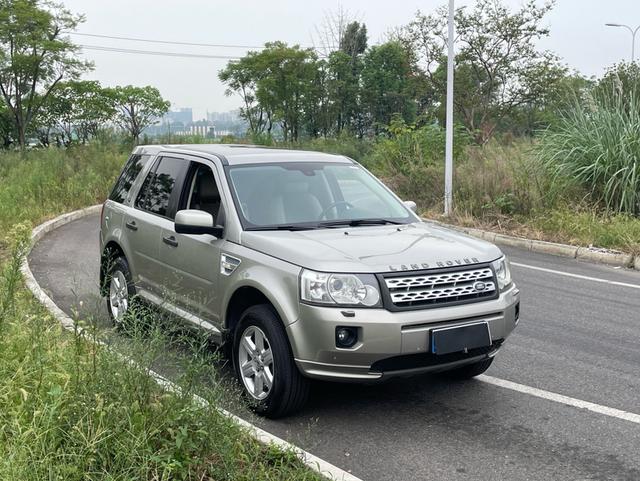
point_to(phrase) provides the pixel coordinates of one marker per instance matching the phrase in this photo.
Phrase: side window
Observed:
(204, 194)
(131, 170)
(142, 193)
(156, 192)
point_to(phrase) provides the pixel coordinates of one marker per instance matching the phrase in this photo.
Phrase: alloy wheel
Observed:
(118, 295)
(255, 361)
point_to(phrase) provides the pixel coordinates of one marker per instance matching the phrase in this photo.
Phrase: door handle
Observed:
(131, 225)
(171, 240)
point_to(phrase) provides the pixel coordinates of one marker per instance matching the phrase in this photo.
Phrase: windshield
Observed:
(312, 195)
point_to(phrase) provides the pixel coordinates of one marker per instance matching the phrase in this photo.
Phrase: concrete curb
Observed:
(313, 462)
(589, 254)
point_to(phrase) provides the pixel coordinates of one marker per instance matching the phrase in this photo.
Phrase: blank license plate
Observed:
(456, 339)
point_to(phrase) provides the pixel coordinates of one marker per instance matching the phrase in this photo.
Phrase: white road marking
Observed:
(576, 276)
(560, 398)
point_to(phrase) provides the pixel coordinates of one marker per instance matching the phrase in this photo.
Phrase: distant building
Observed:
(183, 116)
(230, 117)
(180, 122)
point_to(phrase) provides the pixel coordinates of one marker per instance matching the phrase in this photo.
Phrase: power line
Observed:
(157, 53)
(170, 42)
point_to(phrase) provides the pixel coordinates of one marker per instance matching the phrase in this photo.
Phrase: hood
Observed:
(373, 249)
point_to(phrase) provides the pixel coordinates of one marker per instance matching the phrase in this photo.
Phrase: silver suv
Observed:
(305, 263)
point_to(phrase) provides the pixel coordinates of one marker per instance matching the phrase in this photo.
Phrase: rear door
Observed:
(154, 208)
(191, 263)
(120, 198)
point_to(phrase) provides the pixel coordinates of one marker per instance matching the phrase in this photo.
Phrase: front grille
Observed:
(441, 288)
(416, 361)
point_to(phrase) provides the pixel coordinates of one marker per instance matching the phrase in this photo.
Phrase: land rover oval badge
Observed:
(479, 286)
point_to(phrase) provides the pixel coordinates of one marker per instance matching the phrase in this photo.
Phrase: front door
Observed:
(191, 263)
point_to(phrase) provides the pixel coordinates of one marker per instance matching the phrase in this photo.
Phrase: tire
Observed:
(288, 389)
(120, 295)
(470, 370)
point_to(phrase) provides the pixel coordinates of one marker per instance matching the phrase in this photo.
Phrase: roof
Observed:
(236, 154)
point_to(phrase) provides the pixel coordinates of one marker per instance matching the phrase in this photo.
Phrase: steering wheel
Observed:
(333, 205)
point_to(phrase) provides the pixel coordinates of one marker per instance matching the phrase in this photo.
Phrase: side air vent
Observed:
(228, 264)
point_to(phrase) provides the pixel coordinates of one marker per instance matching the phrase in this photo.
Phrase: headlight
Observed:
(340, 289)
(503, 272)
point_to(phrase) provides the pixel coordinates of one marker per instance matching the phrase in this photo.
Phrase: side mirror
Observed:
(411, 205)
(192, 221)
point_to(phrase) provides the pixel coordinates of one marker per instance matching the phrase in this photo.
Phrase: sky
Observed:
(577, 34)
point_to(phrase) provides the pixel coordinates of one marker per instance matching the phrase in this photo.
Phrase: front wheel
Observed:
(264, 364)
(121, 290)
(469, 370)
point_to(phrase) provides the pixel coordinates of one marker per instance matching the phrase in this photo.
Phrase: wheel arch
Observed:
(111, 250)
(246, 296)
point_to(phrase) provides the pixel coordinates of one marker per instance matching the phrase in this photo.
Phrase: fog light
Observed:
(346, 336)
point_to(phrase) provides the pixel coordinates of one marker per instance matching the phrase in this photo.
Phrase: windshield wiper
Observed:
(283, 227)
(357, 222)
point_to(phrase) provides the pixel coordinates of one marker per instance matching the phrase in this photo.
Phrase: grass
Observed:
(70, 408)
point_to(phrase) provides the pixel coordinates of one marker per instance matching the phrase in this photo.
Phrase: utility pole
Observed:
(448, 162)
(633, 36)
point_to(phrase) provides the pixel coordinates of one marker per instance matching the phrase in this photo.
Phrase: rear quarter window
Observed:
(132, 169)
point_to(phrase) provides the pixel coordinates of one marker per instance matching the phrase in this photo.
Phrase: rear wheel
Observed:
(469, 370)
(121, 290)
(264, 364)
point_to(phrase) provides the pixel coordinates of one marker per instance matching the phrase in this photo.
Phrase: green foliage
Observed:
(596, 145)
(76, 110)
(502, 179)
(498, 68)
(343, 87)
(75, 410)
(354, 40)
(386, 89)
(35, 50)
(407, 149)
(137, 107)
(276, 84)
(49, 181)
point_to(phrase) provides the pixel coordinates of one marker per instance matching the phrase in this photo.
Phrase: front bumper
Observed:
(392, 343)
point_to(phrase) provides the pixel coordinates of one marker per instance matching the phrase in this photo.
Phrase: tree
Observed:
(354, 40)
(137, 108)
(498, 68)
(387, 85)
(332, 30)
(34, 56)
(623, 79)
(92, 107)
(344, 71)
(287, 74)
(7, 126)
(77, 108)
(241, 77)
(276, 85)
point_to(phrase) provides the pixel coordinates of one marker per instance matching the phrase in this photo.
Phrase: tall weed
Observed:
(596, 144)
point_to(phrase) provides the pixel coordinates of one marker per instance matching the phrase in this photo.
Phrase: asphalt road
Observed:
(577, 337)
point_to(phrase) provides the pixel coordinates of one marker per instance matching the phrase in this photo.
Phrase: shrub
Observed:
(501, 179)
(408, 149)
